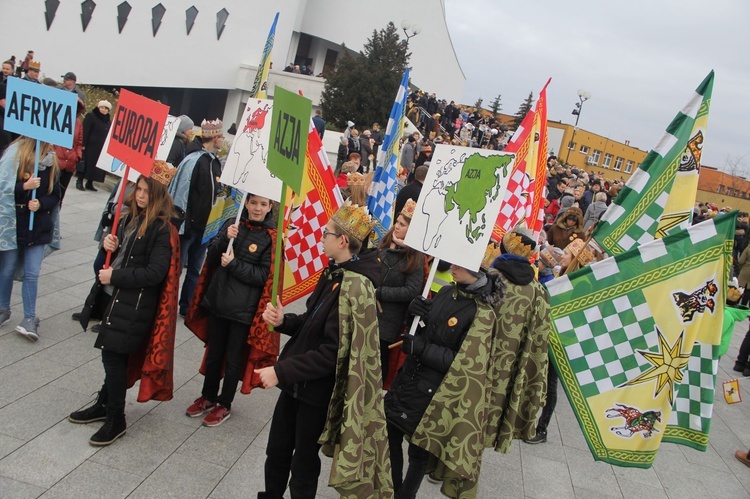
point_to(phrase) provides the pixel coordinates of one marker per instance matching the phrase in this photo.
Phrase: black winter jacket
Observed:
(44, 225)
(396, 291)
(203, 188)
(306, 368)
(451, 315)
(235, 290)
(128, 316)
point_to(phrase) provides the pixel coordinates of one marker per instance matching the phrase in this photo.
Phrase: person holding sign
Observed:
(136, 299)
(28, 245)
(316, 371)
(462, 312)
(233, 286)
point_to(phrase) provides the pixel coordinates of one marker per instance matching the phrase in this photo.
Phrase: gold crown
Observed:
(355, 220)
(162, 172)
(513, 243)
(355, 179)
(408, 209)
(211, 128)
(490, 254)
(581, 252)
(35, 65)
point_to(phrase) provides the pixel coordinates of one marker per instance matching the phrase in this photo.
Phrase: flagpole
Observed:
(279, 247)
(426, 291)
(118, 209)
(236, 222)
(36, 174)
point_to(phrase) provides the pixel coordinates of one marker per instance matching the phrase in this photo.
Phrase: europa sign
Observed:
(40, 112)
(136, 130)
(289, 128)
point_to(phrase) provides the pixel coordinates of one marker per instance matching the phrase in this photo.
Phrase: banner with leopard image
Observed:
(635, 338)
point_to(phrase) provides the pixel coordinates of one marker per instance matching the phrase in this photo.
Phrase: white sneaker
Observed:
(28, 328)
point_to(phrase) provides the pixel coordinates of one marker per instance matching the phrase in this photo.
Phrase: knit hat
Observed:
(349, 167)
(105, 103)
(185, 124)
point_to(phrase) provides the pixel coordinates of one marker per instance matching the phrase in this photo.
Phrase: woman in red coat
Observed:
(69, 158)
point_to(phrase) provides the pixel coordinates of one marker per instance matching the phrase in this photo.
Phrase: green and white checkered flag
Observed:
(660, 195)
(635, 336)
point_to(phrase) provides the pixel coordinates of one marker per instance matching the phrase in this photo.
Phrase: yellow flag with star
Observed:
(635, 341)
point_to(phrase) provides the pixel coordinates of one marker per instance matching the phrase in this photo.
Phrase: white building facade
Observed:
(200, 56)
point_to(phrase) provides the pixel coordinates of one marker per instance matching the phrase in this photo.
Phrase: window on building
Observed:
(721, 188)
(595, 156)
(728, 192)
(607, 161)
(629, 166)
(618, 164)
(571, 145)
(584, 149)
(736, 193)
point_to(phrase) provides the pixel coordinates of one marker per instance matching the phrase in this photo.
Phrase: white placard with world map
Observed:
(116, 167)
(245, 168)
(459, 203)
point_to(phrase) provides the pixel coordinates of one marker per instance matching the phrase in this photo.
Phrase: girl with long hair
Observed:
(28, 244)
(136, 299)
(402, 277)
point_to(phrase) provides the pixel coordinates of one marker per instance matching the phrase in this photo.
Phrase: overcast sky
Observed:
(640, 60)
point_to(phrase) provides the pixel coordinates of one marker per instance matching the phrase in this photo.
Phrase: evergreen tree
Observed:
(478, 104)
(495, 105)
(362, 88)
(523, 110)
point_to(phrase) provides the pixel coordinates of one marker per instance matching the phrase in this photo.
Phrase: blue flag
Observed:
(383, 189)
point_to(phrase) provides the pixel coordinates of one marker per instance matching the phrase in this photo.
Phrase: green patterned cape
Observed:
(493, 390)
(355, 432)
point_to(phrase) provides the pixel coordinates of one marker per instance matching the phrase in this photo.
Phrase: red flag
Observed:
(321, 198)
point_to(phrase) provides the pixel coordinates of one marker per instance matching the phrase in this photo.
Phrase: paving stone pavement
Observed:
(166, 454)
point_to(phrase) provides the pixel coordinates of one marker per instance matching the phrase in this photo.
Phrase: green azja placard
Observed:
(289, 128)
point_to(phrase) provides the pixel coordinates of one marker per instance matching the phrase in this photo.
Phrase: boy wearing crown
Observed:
(194, 189)
(329, 375)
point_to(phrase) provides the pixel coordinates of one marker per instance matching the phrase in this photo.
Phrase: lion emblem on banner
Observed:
(635, 420)
(696, 302)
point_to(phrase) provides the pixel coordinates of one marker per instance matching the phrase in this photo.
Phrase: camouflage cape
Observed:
(355, 432)
(493, 390)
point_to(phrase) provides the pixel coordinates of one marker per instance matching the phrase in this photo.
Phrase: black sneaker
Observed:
(76, 316)
(540, 438)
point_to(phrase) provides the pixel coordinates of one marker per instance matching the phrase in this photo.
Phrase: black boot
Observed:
(79, 184)
(112, 429)
(90, 186)
(96, 412)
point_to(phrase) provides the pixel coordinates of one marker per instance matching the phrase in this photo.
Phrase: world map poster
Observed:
(459, 203)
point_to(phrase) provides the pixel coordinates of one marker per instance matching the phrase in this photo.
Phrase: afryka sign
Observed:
(136, 130)
(40, 112)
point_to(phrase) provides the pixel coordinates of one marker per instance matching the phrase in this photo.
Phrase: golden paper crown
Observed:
(355, 220)
(162, 172)
(211, 128)
(355, 179)
(514, 244)
(35, 65)
(581, 251)
(490, 254)
(408, 209)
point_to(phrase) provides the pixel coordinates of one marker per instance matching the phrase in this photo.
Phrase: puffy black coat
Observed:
(203, 188)
(306, 368)
(397, 289)
(44, 225)
(95, 130)
(128, 316)
(235, 290)
(450, 317)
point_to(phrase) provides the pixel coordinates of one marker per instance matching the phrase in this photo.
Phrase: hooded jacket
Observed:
(452, 314)
(307, 366)
(560, 235)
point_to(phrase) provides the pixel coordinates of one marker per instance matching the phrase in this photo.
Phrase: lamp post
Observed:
(408, 28)
(583, 96)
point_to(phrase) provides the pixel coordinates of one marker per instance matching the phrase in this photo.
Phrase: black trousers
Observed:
(549, 407)
(293, 447)
(406, 487)
(115, 379)
(227, 341)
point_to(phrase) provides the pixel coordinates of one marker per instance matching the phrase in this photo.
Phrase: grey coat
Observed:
(593, 212)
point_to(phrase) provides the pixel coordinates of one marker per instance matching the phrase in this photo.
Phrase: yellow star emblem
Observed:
(667, 365)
